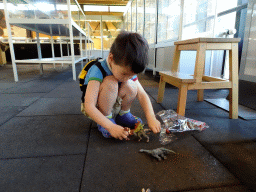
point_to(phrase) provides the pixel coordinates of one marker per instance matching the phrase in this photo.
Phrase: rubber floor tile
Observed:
(170, 100)
(224, 189)
(19, 99)
(221, 128)
(57, 173)
(35, 86)
(239, 158)
(68, 89)
(53, 106)
(118, 166)
(44, 136)
(7, 113)
(5, 86)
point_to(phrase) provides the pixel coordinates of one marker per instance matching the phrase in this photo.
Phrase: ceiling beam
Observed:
(103, 13)
(102, 2)
(110, 25)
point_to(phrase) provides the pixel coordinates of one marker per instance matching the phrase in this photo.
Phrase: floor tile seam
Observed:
(61, 97)
(28, 106)
(251, 141)
(25, 92)
(55, 115)
(212, 187)
(87, 146)
(218, 159)
(22, 93)
(7, 120)
(43, 156)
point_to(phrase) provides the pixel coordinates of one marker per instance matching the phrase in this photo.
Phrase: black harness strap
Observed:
(98, 64)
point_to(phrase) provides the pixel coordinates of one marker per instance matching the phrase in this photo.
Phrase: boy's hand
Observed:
(154, 125)
(119, 132)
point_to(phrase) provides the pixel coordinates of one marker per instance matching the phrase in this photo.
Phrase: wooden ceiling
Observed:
(103, 2)
(110, 29)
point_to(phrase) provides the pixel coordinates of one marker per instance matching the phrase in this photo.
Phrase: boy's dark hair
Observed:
(130, 49)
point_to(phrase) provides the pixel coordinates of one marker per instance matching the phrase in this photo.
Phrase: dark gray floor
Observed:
(48, 145)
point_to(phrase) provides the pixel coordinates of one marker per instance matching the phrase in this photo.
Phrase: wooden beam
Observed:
(103, 13)
(210, 78)
(102, 2)
(110, 25)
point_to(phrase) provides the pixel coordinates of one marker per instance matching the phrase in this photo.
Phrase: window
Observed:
(198, 18)
(150, 20)
(140, 16)
(134, 16)
(168, 20)
(129, 24)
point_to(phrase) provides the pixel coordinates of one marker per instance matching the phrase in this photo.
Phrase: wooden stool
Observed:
(198, 81)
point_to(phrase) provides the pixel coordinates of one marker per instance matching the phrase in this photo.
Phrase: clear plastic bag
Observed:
(173, 126)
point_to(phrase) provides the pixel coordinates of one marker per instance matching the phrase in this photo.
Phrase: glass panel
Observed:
(36, 9)
(150, 18)
(225, 5)
(129, 19)
(168, 20)
(134, 16)
(140, 16)
(125, 21)
(198, 19)
(226, 22)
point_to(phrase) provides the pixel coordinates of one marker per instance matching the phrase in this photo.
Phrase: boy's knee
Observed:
(128, 88)
(110, 83)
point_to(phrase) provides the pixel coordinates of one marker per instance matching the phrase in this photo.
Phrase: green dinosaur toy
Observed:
(158, 153)
(139, 131)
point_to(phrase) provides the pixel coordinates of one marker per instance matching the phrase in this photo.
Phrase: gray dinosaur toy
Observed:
(158, 153)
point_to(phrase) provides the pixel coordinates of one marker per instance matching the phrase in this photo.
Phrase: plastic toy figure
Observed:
(158, 153)
(139, 131)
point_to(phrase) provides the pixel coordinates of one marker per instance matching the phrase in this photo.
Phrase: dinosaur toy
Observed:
(138, 131)
(158, 153)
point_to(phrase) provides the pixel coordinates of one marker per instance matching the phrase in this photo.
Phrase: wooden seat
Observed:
(198, 81)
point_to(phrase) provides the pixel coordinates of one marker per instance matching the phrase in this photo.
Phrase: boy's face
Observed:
(120, 72)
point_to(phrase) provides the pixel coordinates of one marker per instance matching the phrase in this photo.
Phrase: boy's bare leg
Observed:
(107, 95)
(128, 92)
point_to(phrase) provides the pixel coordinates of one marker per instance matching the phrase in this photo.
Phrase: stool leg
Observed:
(233, 77)
(161, 90)
(182, 100)
(200, 95)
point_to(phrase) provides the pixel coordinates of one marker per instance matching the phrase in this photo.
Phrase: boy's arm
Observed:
(146, 105)
(90, 102)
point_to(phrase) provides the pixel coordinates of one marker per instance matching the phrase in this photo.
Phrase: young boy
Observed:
(128, 56)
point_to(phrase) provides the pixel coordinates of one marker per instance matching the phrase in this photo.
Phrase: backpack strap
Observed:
(98, 64)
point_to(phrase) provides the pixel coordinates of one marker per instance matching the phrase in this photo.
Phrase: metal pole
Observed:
(81, 50)
(71, 42)
(101, 34)
(85, 46)
(181, 20)
(155, 37)
(14, 67)
(213, 35)
(39, 52)
(61, 51)
(53, 55)
(89, 41)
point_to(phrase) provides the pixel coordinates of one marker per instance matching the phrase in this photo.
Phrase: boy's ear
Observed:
(110, 56)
